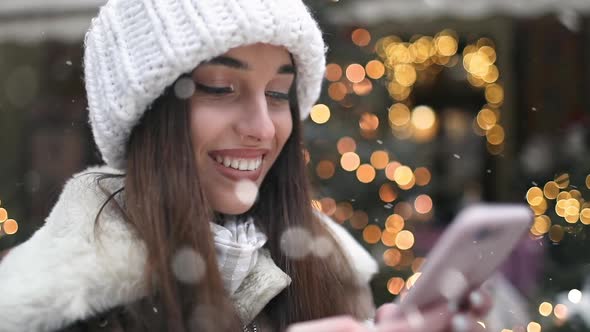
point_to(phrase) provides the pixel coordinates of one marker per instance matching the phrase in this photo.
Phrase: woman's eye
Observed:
(278, 95)
(214, 89)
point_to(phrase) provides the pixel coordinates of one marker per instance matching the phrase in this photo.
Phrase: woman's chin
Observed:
(234, 208)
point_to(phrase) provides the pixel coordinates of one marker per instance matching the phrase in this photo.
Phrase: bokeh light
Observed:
(392, 257)
(404, 240)
(387, 193)
(372, 234)
(423, 176)
(346, 144)
(333, 72)
(394, 223)
(365, 173)
(350, 161)
(361, 37)
(320, 114)
(379, 159)
(355, 73)
(395, 285)
(325, 169)
(423, 204)
(545, 309)
(375, 69)
(359, 219)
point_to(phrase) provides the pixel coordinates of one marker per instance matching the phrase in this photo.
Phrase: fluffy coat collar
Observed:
(63, 273)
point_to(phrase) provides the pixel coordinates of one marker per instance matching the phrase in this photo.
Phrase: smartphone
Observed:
(472, 248)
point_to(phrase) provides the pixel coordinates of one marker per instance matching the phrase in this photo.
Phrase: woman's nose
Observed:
(257, 122)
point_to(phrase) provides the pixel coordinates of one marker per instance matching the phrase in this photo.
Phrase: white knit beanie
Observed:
(136, 48)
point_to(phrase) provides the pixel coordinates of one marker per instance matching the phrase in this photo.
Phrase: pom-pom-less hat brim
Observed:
(134, 49)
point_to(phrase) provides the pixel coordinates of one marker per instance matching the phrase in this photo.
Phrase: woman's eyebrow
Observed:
(234, 63)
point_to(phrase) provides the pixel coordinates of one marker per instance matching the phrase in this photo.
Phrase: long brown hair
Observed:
(164, 204)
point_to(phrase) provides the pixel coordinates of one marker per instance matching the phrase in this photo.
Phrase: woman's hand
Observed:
(437, 318)
(390, 318)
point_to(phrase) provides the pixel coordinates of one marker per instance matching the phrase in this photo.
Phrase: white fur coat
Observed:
(63, 273)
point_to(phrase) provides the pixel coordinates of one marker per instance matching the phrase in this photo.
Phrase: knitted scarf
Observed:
(236, 242)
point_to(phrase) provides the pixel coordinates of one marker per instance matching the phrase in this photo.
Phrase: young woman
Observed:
(201, 218)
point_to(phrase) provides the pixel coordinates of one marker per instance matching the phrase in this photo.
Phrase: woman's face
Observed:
(240, 121)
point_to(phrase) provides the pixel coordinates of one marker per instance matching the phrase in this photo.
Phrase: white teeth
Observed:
(252, 165)
(243, 165)
(239, 163)
(235, 163)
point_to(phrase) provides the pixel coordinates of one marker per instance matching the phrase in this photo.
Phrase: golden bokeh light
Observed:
(380, 159)
(408, 185)
(399, 115)
(585, 216)
(375, 69)
(492, 75)
(423, 117)
(346, 144)
(363, 88)
(545, 309)
(495, 135)
(388, 238)
(423, 176)
(405, 75)
(395, 285)
(365, 173)
(563, 180)
(551, 190)
(446, 45)
(355, 73)
(489, 52)
(403, 175)
(486, 119)
(350, 161)
(387, 193)
(534, 196)
(423, 204)
(394, 223)
(337, 91)
(325, 169)
(369, 121)
(3, 215)
(10, 226)
(399, 53)
(398, 91)
(390, 170)
(328, 205)
(372, 234)
(541, 225)
(333, 72)
(392, 257)
(343, 212)
(361, 37)
(588, 181)
(494, 93)
(404, 240)
(533, 327)
(320, 113)
(540, 208)
(359, 219)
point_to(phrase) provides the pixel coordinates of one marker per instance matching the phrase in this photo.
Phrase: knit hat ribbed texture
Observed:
(134, 49)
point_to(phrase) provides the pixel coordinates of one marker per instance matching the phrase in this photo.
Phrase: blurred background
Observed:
(428, 106)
